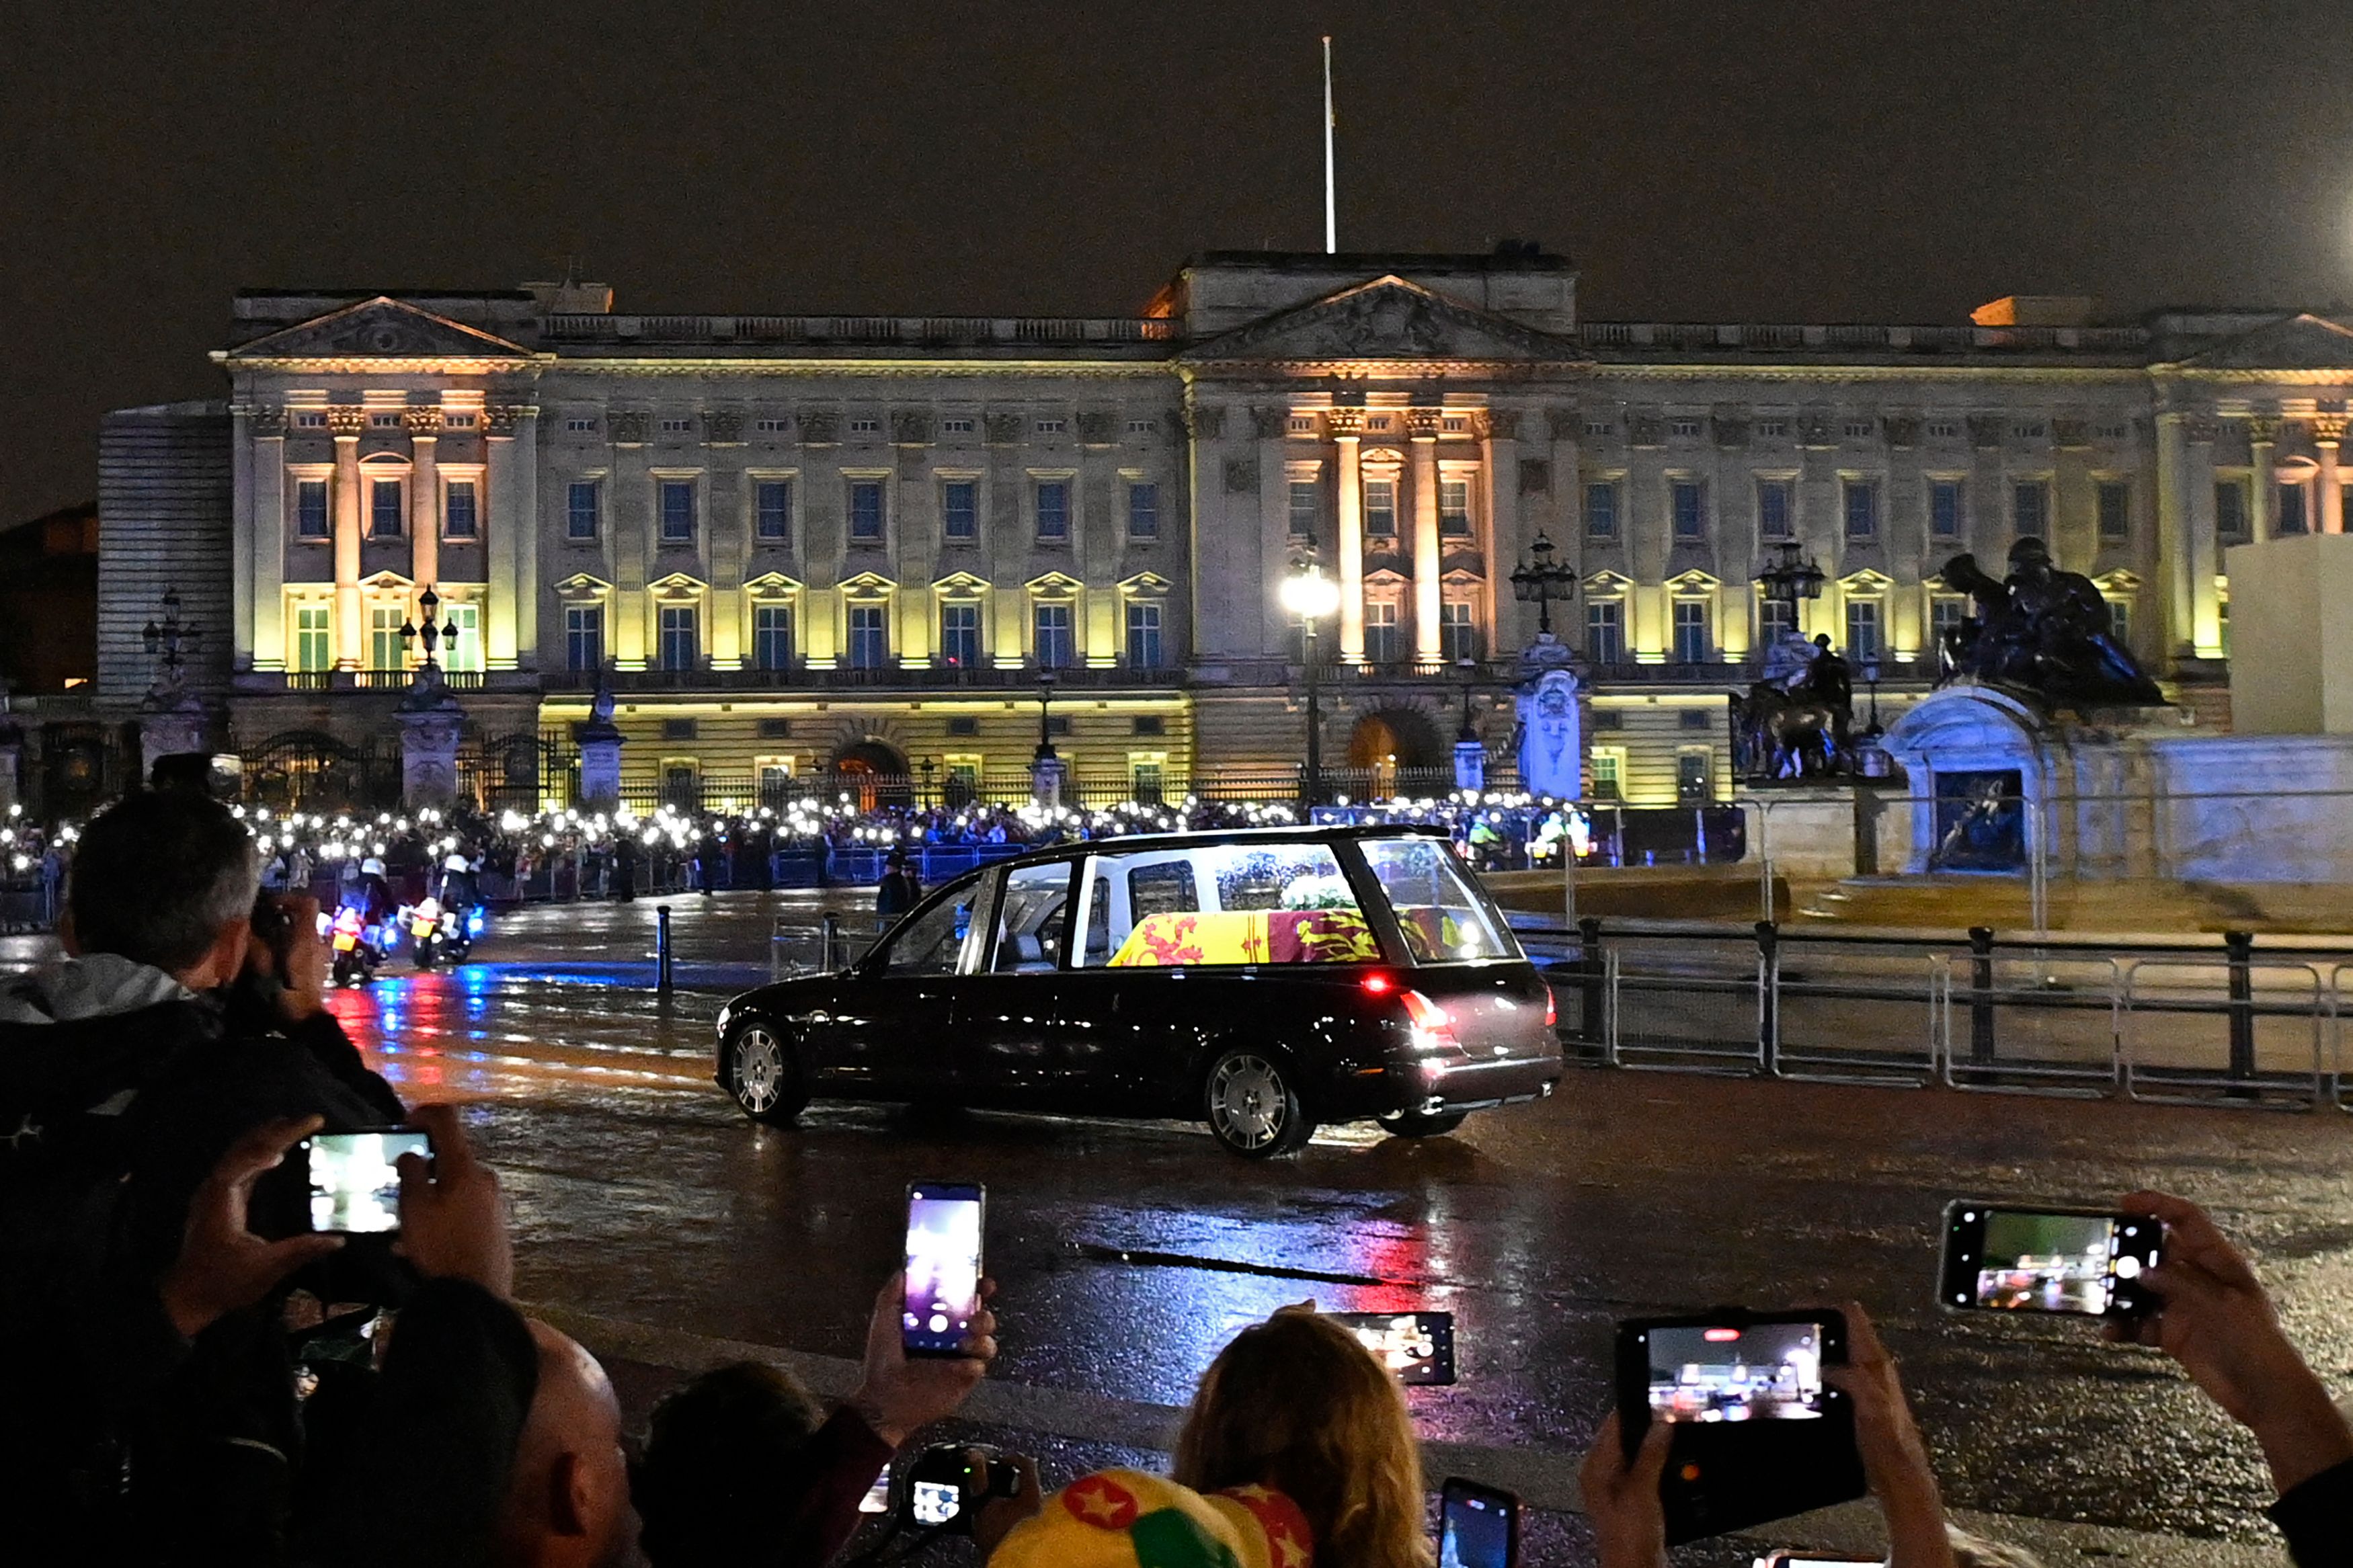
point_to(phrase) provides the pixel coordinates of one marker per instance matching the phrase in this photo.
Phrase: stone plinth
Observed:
(1470, 766)
(431, 724)
(600, 769)
(1046, 778)
(171, 727)
(2292, 635)
(1807, 829)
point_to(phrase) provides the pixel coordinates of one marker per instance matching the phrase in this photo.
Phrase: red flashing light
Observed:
(1720, 1336)
(1552, 1008)
(1379, 984)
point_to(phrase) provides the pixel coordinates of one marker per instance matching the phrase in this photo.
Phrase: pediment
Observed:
(772, 584)
(381, 327)
(2296, 342)
(1147, 583)
(1054, 582)
(677, 585)
(868, 585)
(1385, 319)
(962, 583)
(581, 585)
(1867, 582)
(387, 583)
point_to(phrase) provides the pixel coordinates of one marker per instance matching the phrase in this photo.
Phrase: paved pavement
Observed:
(671, 1233)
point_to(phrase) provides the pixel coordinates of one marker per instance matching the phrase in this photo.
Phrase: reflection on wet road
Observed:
(1129, 1252)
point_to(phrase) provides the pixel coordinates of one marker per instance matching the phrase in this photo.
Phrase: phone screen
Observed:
(354, 1187)
(2047, 1260)
(944, 1222)
(1817, 1559)
(1763, 1372)
(936, 1502)
(1416, 1346)
(1477, 1527)
(878, 1496)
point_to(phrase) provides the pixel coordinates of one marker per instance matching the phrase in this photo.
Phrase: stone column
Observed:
(2173, 530)
(424, 495)
(268, 540)
(2205, 557)
(2327, 431)
(1423, 423)
(240, 602)
(506, 533)
(1499, 540)
(350, 636)
(2263, 498)
(1348, 478)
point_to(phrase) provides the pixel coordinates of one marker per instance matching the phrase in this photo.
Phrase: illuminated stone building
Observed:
(814, 545)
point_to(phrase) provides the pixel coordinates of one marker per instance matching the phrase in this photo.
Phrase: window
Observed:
(960, 635)
(1946, 613)
(1306, 507)
(772, 511)
(580, 508)
(1053, 509)
(962, 786)
(677, 511)
(866, 508)
(2231, 507)
(1945, 430)
(1862, 509)
(1150, 724)
(1302, 425)
(1776, 619)
(1691, 631)
(1051, 627)
(384, 650)
(1601, 510)
(1142, 426)
(1457, 635)
(1863, 630)
(459, 519)
(463, 652)
(1693, 782)
(677, 426)
(960, 509)
(1860, 429)
(584, 636)
(1380, 508)
(956, 426)
(1454, 508)
(776, 729)
(1143, 634)
(2290, 510)
(771, 425)
(1605, 631)
(1143, 511)
(385, 511)
(1377, 422)
(314, 643)
(2028, 430)
(933, 943)
(310, 420)
(1597, 427)
(2120, 620)
(1050, 426)
(1384, 638)
(310, 509)
(1608, 766)
(2029, 507)
(963, 725)
(1437, 914)
(1147, 777)
(1773, 429)
(1218, 904)
(1777, 514)
(1683, 428)
(1687, 503)
(384, 421)
(2116, 510)
(870, 636)
(866, 427)
(1945, 508)
(579, 424)
(772, 643)
(681, 640)
(2114, 430)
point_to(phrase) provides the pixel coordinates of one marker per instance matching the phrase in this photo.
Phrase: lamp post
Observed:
(1539, 579)
(164, 642)
(1311, 595)
(1046, 769)
(1469, 752)
(1790, 577)
(433, 634)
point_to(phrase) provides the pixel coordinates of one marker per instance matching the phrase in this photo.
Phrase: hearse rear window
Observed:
(1222, 904)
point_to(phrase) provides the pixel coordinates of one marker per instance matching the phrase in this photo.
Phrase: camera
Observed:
(946, 1487)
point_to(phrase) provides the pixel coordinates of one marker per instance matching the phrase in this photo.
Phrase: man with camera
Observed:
(145, 1405)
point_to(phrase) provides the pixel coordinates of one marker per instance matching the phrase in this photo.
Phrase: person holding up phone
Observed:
(1621, 1496)
(2214, 1317)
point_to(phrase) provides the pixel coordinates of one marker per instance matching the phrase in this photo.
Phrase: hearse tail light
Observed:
(1432, 1028)
(1379, 984)
(1552, 1008)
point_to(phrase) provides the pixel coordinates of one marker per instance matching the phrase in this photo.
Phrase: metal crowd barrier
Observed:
(2175, 1022)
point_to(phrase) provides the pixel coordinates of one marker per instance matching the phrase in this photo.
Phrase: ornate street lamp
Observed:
(1539, 579)
(164, 642)
(1791, 577)
(434, 635)
(1311, 595)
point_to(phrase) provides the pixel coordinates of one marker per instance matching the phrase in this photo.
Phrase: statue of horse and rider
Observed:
(1795, 722)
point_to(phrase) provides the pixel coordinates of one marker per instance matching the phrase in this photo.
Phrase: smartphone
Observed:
(1759, 1433)
(1817, 1559)
(355, 1183)
(944, 1226)
(2081, 1261)
(1416, 1346)
(1478, 1526)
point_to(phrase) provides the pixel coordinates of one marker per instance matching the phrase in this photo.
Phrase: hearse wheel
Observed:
(1421, 1124)
(762, 1075)
(1254, 1109)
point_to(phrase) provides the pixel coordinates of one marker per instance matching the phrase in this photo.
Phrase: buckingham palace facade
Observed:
(804, 545)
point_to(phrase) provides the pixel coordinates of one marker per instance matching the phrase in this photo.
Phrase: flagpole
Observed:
(1331, 215)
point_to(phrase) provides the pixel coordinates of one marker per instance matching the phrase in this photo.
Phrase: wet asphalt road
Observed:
(1128, 1252)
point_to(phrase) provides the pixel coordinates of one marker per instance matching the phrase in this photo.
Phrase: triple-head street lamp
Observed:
(1789, 576)
(1311, 595)
(430, 603)
(164, 642)
(1539, 579)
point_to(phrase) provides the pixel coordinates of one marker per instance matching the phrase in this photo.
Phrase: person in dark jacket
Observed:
(2215, 1320)
(129, 1074)
(900, 890)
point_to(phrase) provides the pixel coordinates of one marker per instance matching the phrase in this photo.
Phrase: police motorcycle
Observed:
(444, 927)
(359, 945)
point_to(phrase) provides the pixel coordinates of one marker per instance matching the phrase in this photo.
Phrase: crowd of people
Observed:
(192, 1377)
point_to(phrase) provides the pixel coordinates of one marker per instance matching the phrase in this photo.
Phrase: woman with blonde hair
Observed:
(1297, 1404)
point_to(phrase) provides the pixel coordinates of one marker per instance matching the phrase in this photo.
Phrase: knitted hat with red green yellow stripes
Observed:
(1125, 1519)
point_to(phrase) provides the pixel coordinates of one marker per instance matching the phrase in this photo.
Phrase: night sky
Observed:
(1890, 161)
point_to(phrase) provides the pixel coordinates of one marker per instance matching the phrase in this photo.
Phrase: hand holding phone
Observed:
(944, 1245)
(2084, 1262)
(1478, 1526)
(355, 1178)
(1416, 1346)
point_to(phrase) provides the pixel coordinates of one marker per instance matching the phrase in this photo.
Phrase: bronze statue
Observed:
(1795, 723)
(2042, 631)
